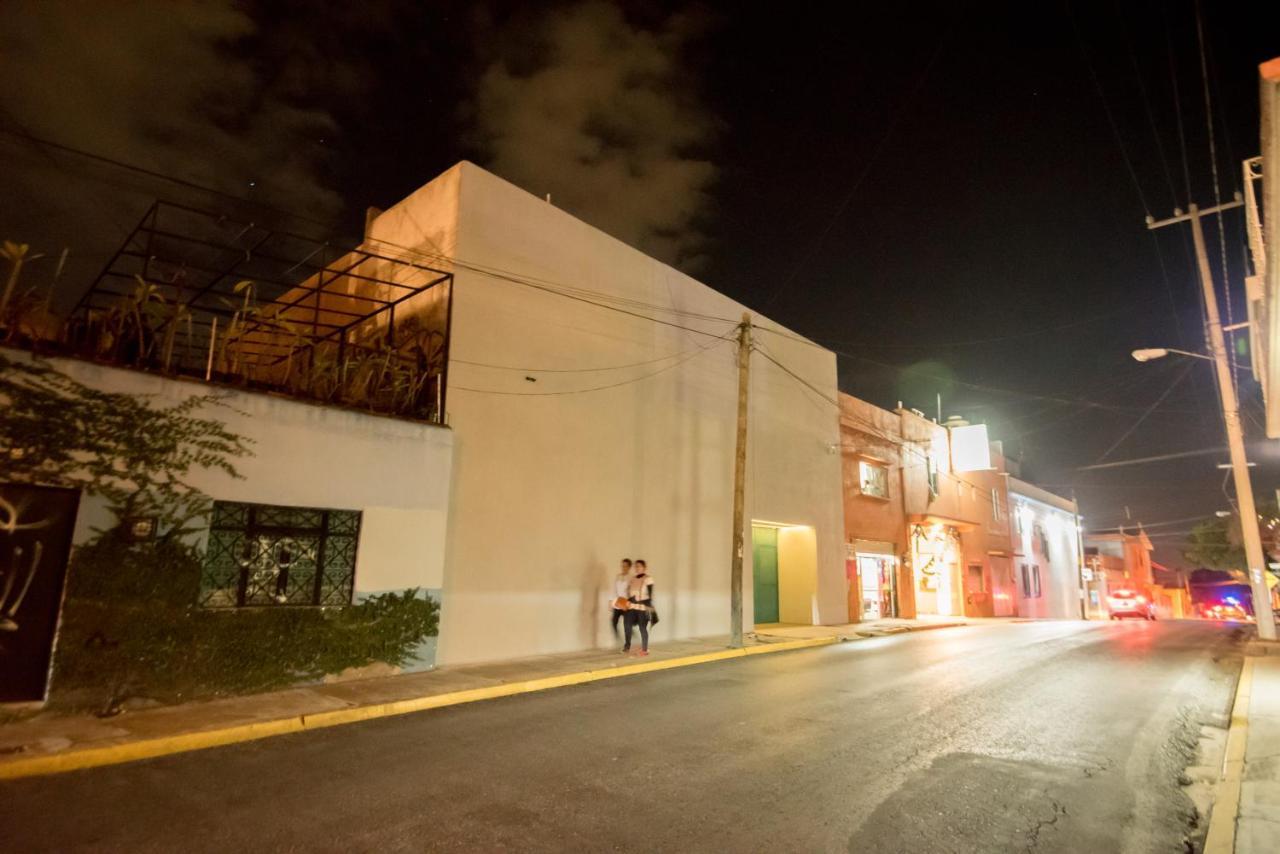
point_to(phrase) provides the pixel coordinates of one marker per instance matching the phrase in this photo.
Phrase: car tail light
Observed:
(1142, 598)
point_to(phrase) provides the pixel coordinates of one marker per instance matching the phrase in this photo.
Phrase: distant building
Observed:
(1047, 552)
(926, 516)
(1116, 561)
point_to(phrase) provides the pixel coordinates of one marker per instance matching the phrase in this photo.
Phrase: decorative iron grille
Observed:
(264, 555)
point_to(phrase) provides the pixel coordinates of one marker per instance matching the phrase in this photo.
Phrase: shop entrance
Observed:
(764, 573)
(877, 574)
(935, 563)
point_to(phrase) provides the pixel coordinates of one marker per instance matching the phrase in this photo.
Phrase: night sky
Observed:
(953, 201)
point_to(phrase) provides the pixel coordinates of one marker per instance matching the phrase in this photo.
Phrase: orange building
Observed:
(926, 516)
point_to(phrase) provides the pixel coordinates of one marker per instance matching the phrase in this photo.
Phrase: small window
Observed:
(931, 466)
(263, 555)
(997, 509)
(1030, 581)
(873, 479)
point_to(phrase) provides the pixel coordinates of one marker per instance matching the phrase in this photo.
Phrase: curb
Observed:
(150, 748)
(877, 633)
(1221, 837)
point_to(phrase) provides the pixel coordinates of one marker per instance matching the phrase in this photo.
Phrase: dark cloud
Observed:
(603, 118)
(164, 86)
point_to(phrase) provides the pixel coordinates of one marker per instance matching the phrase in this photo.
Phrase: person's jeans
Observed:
(613, 622)
(639, 618)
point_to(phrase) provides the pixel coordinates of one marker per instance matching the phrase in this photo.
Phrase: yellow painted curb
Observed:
(150, 748)
(1221, 838)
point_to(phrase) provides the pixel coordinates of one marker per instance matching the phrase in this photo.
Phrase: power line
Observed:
(1152, 408)
(908, 446)
(1146, 101)
(1158, 458)
(862, 176)
(564, 290)
(571, 370)
(1161, 524)
(1115, 128)
(975, 386)
(453, 387)
(182, 182)
(1013, 336)
(1177, 100)
(1213, 165)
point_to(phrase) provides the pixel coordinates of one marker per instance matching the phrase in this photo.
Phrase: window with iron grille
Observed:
(264, 555)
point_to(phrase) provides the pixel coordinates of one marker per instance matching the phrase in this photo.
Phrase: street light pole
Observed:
(1235, 435)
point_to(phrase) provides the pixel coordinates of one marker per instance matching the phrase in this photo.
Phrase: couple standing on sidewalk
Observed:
(633, 603)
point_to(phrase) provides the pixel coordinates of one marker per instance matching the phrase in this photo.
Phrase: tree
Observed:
(59, 432)
(1217, 543)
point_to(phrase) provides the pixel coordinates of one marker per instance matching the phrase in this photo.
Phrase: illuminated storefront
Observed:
(935, 564)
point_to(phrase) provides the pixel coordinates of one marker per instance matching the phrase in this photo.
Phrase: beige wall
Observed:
(550, 491)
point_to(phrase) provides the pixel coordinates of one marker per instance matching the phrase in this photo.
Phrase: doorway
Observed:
(36, 524)
(877, 576)
(935, 558)
(764, 573)
(977, 598)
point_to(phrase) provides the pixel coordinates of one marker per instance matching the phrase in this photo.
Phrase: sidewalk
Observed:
(1246, 811)
(51, 743)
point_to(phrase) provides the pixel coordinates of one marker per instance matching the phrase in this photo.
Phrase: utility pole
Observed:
(1231, 416)
(1083, 585)
(740, 484)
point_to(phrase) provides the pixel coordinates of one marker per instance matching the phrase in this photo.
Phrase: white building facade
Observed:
(592, 396)
(1046, 543)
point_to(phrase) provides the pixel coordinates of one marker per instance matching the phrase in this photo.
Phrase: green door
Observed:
(764, 573)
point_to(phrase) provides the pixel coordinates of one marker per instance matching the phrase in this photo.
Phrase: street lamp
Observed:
(1254, 556)
(1153, 353)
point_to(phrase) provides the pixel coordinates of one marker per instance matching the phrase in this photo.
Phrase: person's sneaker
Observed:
(643, 652)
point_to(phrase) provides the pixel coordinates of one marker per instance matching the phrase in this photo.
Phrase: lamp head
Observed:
(1150, 353)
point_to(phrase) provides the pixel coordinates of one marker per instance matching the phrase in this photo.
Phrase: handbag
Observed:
(653, 616)
(621, 604)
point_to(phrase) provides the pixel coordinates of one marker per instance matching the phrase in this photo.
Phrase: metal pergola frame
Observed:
(196, 258)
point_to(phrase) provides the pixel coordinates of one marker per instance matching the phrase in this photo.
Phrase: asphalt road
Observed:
(1044, 737)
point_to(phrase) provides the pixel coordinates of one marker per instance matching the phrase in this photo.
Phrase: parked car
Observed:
(1130, 603)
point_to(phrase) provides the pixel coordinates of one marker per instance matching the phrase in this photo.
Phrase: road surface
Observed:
(1044, 737)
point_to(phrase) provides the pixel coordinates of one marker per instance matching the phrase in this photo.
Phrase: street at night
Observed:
(1044, 737)
(617, 425)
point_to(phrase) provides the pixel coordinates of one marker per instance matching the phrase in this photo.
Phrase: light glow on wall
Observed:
(970, 448)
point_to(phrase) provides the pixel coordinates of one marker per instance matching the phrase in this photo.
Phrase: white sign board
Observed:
(970, 448)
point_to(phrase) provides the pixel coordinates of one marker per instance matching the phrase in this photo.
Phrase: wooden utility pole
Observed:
(1254, 556)
(740, 484)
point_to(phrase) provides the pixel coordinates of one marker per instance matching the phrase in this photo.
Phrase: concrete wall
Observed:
(396, 472)
(561, 471)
